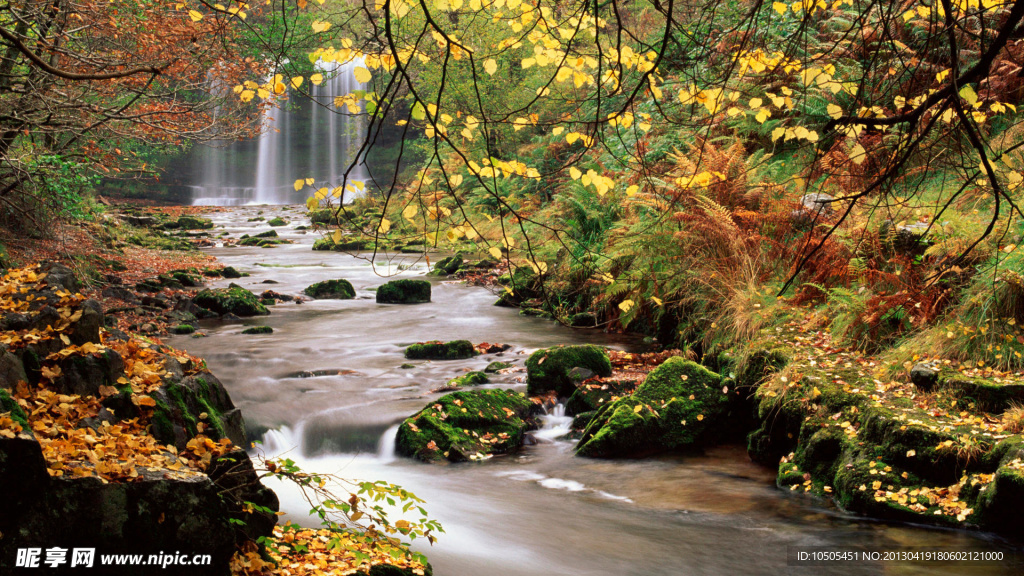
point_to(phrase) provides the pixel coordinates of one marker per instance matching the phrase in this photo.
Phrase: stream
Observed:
(328, 390)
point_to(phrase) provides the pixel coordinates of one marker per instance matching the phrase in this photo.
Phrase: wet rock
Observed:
(496, 366)
(404, 291)
(238, 481)
(140, 221)
(183, 329)
(583, 320)
(436, 350)
(60, 277)
(339, 289)
(231, 300)
(447, 266)
(120, 293)
(258, 330)
(467, 425)
(579, 374)
(12, 371)
(548, 369)
(591, 397)
(277, 221)
(230, 272)
(680, 405)
(191, 223)
(469, 379)
(195, 403)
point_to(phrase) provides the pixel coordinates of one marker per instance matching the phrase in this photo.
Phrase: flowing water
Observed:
(329, 386)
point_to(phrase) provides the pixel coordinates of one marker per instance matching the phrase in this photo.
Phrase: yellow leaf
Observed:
(490, 66)
(336, 237)
(385, 225)
(317, 79)
(763, 115)
(625, 305)
(297, 81)
(858, 154)
(834, 111)
(968, 94)
(299, 184)
(195, 16)
(320, 26)
(656, 300)
(780, 8)
(638, 408)
(756, 102)
(557, 130)
(362, 74)
(311, 203)
(410, 212)
(527, 62)
(246, 95)
(700, 417)
(632, 190)
(575, 173)
(495, 251)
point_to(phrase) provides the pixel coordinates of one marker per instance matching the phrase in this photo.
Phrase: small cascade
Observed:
(301, 137)
(554, 424)
(386, 448)
(282, 440)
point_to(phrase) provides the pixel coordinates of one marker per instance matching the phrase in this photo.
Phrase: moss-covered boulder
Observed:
(446, 266)
(193, 223)
(680, 405)
(404, 291)
(231, 300)
(321, 216)
(591, 397)
(437, 350)
(493, 367)
(339, 289)
(278, 221)
(469, 379)
(345, 243)
(258, 330)
(183, 329)
(548, 369)
(467, 425)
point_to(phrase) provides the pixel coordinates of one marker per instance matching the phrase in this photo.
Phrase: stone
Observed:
(12, 370)
(680, 405)
(277, 221)
(462, 425)
(925, 375)
(447, 266)
(258, 330)
(231, 300)
(85, 374)
(339, 289)
(436, 350)
(469, 379)
(183, 329)
(548, 369)
(496, 366)
(404, 291)
(583, 320)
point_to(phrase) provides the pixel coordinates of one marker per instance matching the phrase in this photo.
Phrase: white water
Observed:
(301, 137)
(554, 424)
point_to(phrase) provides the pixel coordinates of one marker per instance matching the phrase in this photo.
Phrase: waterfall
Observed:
(554, 424)
(300, 138)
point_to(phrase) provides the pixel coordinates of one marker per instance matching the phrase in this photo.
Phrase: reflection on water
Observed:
(330, 379)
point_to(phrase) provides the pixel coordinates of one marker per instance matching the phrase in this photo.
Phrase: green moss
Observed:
(469, 379)
(447, 266)
(258, 330)
(591, 398)
(495, 366)
(339, 289)
(183, 329)
(681, 404)
(231, 300)
(404, 291)
(194, 223)
(436, 350)
(463, 424)
(278, 221)
(9, 404)
(267, 234)
(548, 369)
(346, 243)
(321, 216)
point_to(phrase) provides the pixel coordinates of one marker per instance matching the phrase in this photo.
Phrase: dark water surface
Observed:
(328, 385)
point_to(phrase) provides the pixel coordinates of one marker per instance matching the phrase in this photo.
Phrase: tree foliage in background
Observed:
(89, 87)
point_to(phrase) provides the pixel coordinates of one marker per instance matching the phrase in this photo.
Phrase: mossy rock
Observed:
(278, 221)
(231, 300)
(339, 289)
(258, 330)
(470, 379)
(9, 404)
(346, 243)
(548, 369)
(321, 216)
(987, 394)
(267, 234)
(495, 366)
(680, 405)
(230, 272)
(590, 398)
(462, 425)
(404, 291)
(437, 350)
(183, 329)
(447, 266)
(194, 223)
(1000, 503)
(583, 320)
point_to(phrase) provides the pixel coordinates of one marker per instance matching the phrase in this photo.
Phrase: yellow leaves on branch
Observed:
(361, 74)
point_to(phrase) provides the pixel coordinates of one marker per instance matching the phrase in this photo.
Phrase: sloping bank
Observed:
(830, 420)
(116, 443)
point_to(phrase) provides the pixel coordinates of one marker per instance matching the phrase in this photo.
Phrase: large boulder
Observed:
(467, 425)
(680, 405)
(231, 300)
(193, 405)
(436, 350)
(404, 291)
(549, 369)
(447, 266)
(331, 289)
